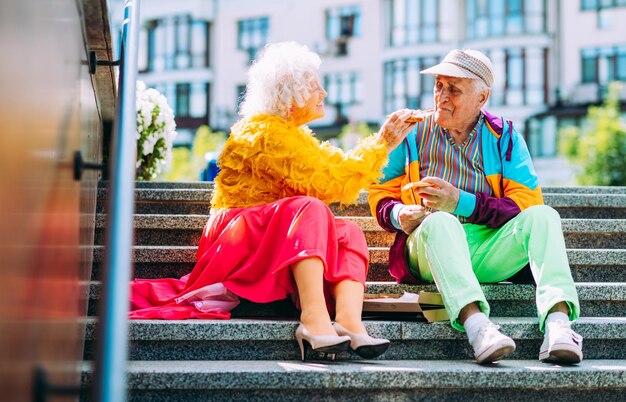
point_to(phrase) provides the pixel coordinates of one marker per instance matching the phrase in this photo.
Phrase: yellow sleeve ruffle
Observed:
(267, 159)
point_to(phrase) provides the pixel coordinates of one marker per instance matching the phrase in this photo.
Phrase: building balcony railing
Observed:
(586, 93)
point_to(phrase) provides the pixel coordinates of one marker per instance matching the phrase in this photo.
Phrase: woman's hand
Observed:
(396, 128)
(441, 196)
(411, 216)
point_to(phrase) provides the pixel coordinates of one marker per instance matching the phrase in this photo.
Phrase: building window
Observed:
(589, 63)
(514, 86)
(589, 4)
(189, 101)
(597, 5)
(199, 44)
(143, 63)
(160, 44)
(183, 91)
(169, 91)
(536, 76)
(342, 23)
(182, 38)
(241, 94)
(514, 16)
(199, 100)
(620, 63)
(488, 18)
(603, 65)
(525, 77)
(404, 86)
(412, 21)
(177, 42)
(253, 35)
(534, 16)
(344, 90)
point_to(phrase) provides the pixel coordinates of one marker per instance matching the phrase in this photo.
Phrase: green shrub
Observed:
(598, 149)
(188, 163)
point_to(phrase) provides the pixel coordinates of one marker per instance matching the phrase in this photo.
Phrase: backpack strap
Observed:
(509, 148)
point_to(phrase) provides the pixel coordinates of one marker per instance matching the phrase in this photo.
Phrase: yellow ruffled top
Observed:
(267, 158)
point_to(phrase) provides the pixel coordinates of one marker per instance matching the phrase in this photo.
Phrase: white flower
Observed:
(151, 152)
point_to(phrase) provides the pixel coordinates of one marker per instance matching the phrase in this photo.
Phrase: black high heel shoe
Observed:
(329, 344)
(363, 344)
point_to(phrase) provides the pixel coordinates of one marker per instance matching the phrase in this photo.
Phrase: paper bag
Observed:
(426, 304)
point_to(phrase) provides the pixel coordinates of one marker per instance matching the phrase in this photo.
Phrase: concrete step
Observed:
(273, 339)
(588, 265)
(210, 185)
(185, 230)
(196, 201)
(405, 380)
(182, 184)
(583, 190)
(392, 380)
(505, 299)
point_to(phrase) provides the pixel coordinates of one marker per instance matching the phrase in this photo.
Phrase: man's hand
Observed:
(411, 216)
(442, 196)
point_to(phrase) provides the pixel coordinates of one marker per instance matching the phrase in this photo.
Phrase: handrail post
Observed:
(110, 375)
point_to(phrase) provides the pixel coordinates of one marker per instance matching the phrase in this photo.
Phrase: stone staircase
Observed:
(254, 356)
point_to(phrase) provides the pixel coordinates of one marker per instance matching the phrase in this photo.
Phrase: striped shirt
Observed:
(460, 165)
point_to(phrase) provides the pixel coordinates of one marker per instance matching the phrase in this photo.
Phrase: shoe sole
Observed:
(565, 354)
(337, 348)
(496, 352)
(372, 351)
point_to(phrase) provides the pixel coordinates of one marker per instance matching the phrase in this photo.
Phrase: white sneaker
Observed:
(561, 344)
(491, 345)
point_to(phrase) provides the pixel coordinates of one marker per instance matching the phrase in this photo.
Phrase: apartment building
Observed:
(552, 58)
(347, 34)
(589, 52)
(175, 56)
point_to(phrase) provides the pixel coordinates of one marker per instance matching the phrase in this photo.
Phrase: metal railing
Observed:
(109, 381)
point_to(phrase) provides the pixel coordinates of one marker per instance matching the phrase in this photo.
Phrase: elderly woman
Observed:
(474, 214)
(271, 232)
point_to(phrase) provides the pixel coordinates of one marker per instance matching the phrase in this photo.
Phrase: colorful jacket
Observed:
(267, 158)
(508, 169)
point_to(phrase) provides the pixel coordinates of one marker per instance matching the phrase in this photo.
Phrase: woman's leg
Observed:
(309, 277)
(348, 286)
(348, 281)
(349, 305)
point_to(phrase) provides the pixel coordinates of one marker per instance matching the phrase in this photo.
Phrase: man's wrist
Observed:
(466, 205)
(395, 215)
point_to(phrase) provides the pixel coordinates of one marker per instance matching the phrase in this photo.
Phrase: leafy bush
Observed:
(599, 148)
(187, 164)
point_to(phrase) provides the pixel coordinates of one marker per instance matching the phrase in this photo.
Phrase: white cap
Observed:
(466, 63)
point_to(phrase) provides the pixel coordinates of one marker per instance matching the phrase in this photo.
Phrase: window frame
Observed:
(424, 28)
(248, 27)
(480, 11)
(396, 75)
(336, 82)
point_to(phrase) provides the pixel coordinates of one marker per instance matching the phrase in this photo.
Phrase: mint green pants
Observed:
(458, 257)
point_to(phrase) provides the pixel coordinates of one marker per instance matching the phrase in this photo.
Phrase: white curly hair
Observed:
(281, 77)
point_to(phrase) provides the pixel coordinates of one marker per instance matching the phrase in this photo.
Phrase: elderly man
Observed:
(476, 215)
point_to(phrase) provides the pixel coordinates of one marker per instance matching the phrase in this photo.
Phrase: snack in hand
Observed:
(417, 184)
(417, 115)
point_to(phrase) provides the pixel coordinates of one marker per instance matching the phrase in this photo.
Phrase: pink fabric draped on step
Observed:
(249, 250)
